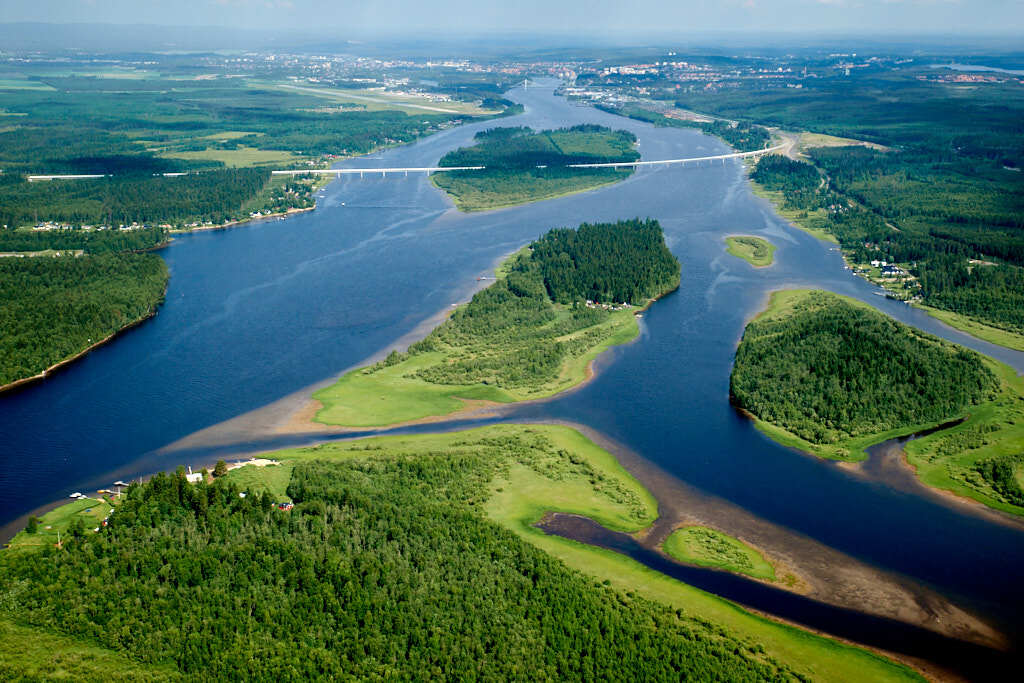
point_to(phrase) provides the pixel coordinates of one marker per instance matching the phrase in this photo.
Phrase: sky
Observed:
(575, 17)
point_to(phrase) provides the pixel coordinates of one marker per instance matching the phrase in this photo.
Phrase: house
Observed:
(193, 477)
(286, 506)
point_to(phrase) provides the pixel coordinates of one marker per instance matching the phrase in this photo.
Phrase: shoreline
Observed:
(45, 374)
(560, 195)
(472, 408)
(240, 222)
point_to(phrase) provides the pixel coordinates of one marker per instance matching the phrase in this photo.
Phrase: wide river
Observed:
(257, 313)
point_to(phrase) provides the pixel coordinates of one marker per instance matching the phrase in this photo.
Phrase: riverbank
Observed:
(25, 381)
(476, 206)
(513, 342)
(241, 221)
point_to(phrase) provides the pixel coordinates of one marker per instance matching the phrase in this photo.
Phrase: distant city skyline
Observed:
(594, 17)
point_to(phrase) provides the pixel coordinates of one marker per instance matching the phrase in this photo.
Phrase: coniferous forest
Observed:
(386, 568)
(826, 369)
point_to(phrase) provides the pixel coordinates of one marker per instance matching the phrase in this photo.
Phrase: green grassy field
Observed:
(711, 548)
(756, 251)
(237, 158)
(373, 100)
(811, 222)
(91, 511)
(977, 329)
(32, 654)
(270, 478)
(947, 459)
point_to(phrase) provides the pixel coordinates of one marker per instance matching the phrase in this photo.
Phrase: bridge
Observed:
(383, 172)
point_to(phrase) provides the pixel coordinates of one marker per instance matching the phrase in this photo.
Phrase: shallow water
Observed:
(256, 313)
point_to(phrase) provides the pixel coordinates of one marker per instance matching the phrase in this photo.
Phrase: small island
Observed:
(554, 307)
(524, 166)
(831, 376)
(707, 547)
(756, 251)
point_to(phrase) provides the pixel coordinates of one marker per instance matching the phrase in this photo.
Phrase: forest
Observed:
(387, 567)
(523, 165)
(55, 306)
(828, 369)
(945, 189)
(512, 336)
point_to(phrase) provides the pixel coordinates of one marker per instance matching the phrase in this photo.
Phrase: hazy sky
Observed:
(659, 17)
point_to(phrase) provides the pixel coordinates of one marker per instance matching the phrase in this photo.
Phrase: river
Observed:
(257, 313)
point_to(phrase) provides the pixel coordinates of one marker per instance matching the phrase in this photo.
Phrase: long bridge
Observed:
(439, 169)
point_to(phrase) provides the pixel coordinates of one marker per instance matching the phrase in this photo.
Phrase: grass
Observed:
(756, 251)
(993, 335)
(238, 158)
(389, 397)
(946, 459)
(478, 193)
(32, 654)
(392, 395)
(811, 222)
(270, 478)
(373, 100)
(23, 84)
(808, 140)
(91, 511)
(708, 547)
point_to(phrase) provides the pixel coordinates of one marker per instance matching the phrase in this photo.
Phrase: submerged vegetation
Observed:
(524, 166)
(530, 334)
(404, 556)
(756, 251)
(834, 373)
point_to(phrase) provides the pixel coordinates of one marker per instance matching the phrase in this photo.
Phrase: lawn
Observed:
(237, 158)
(758, 252)
(270, 478)
(91, 511)
(711, 548)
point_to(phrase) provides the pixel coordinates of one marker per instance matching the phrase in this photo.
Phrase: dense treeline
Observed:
(1001, 474)
(626, 261)
(826, 369)
(512, 335)
(523, 166)
(212, 196)
(386, 568)
(54, 307)
(90, 241)
(520, 148)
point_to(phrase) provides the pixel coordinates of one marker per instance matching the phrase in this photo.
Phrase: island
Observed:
(554, 307)
(831, 376)
(756, 251)
(706, 547)
(395, 556)
(523, 166)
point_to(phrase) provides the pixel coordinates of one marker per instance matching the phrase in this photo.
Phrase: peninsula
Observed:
(554, 307)
(831, 376)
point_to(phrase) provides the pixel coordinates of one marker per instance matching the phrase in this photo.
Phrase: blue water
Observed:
(256, 313)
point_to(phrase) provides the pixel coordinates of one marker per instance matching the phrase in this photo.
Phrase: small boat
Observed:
(76, 494)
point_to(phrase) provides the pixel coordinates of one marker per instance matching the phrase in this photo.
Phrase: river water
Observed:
(256, 313)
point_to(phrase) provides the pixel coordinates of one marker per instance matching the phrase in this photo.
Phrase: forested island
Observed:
(65, 291)
(526, 166)
(569, 296)
(403, 557)
(831, 376)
